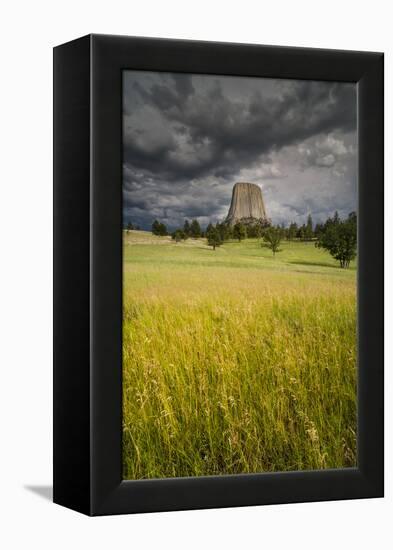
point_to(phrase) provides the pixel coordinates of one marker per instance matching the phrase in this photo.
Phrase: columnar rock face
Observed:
(247, 204)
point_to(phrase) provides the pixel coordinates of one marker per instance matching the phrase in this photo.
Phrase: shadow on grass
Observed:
(316, 264)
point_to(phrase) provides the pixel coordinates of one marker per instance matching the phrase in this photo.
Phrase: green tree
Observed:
(213, 237)
(195, 229)
(159, 228)
(292, 231)
(209, 228)
(254, 230)
(130, 227)
(272, 238)
(339, 238)
(318, 230)
(186, 228)
(221, 228)
(301, 232)
(308, 231)
(155, 228)
(226, 231)
(178, 235)
(163, 230)
(239, 231)
(258, 231)
(257, 228)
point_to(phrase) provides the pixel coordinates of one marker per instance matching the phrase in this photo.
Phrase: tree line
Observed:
(215, 234)
(132, 227)
(336, 236)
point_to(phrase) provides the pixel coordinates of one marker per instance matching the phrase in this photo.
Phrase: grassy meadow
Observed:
(235, 361)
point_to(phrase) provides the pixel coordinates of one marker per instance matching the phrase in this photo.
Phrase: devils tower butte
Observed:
(247, 204)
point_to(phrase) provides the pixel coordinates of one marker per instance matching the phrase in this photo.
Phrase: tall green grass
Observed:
(234, 362)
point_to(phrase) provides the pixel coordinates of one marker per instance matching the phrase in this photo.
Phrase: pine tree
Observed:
(178, 235)
(301, 232)
(292, 231)
(209, 228)
(239, 231)
(318, 229)
(163, 230)
(308, 232)
(186, 228)
(159, 229)
(195, 229)
(155, 228)
(213, 237)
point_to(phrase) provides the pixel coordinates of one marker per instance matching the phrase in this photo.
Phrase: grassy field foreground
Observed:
(235, 362)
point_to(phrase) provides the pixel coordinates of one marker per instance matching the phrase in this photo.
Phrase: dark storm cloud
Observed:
(187, 139)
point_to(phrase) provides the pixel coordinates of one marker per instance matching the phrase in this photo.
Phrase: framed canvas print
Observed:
(218, 275)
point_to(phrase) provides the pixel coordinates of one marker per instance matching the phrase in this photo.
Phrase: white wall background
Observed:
(29, 30)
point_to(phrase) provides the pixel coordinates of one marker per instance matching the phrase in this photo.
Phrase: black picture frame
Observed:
(88, 274)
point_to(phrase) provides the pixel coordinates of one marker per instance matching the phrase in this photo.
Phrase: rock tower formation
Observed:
(247, 204)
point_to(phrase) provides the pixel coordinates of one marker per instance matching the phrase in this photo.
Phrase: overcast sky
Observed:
(189, 138)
